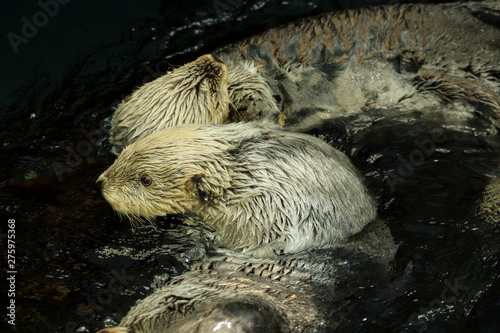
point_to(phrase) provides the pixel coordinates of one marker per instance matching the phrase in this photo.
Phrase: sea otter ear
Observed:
(201, 187)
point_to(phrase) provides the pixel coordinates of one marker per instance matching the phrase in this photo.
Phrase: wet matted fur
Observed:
(264, 190)
(195, 93)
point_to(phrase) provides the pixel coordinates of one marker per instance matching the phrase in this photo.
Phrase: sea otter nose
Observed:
(101, 178)
(99, 186)
(100, 182)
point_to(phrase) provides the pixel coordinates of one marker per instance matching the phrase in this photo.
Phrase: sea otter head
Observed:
(251, 97)
(169, 172)
(195, 93)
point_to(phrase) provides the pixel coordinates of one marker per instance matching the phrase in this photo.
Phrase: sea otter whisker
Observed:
(137, 221)
(148, 221)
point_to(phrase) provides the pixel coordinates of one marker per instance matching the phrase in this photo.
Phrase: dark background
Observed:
(55, 93)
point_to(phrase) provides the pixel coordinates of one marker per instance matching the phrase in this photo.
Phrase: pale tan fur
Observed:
(251, 97)
(263, 190)
(194, 93)
(488, 208)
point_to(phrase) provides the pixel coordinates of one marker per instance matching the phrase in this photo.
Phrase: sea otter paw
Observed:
(271, 250)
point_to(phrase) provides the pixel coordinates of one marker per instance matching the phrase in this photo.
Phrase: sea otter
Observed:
(303, 292)
(405, 57)
(413, 57)
(265, 191)
(194, 93)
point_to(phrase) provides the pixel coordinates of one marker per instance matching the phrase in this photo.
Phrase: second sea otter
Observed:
(409, 58)
(195, 93)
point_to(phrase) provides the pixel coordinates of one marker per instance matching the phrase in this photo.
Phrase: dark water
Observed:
(448, 255)
(79, 268)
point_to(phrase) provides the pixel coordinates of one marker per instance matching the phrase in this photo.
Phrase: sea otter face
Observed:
(136, 185)
(164, 173)
(133, 189)
(196, 93)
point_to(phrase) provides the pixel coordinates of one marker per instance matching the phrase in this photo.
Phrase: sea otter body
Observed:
(265, 191)
(409, 57)
(297, 293)
(195, 93)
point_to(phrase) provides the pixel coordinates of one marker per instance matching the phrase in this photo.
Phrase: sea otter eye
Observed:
(146, 180)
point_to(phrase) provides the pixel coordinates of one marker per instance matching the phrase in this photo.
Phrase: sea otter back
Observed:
(291, 192)
(195, 93)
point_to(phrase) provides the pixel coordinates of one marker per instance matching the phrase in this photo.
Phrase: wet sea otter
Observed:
(303, 292)
(194, 93)
(265, 191)
(405, 57)
(415, 57)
